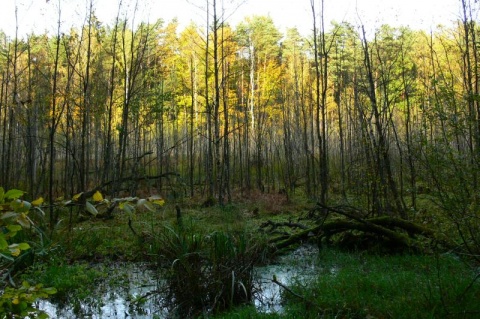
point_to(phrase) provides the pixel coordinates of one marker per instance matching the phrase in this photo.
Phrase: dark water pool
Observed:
(120, 297)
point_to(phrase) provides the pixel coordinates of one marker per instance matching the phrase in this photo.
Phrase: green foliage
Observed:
(78, 279)
(17, 302)
(106, 235)
(454, 201)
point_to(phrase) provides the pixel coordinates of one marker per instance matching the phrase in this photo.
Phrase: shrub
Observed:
(207, 273)
(16, 302)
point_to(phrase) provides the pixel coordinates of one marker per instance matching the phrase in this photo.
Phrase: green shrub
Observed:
(207, 273)
(17, 302)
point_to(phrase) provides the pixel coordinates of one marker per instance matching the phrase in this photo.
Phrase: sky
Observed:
(38, 16)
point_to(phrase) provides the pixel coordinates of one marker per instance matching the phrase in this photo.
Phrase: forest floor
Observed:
(347, 283)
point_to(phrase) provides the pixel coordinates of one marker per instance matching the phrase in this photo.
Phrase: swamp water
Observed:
(120, 296)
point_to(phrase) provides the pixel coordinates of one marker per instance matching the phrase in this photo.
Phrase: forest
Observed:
(382, 130)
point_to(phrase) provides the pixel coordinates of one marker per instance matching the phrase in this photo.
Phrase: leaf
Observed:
(14, 194)
(14, 228)
(14, 250)
(23, 220)
(144, 203)
(97, 197)
(91, 209)
(42, 315)
(76, 197)
(23, 305)
(3, 243)
(157, 200)
(9, 258)
(50, 290)
(65, 203)
(126, 207)
(23, 246)
(20, 206)
(2, 195)
(39, 201)
(9, 215)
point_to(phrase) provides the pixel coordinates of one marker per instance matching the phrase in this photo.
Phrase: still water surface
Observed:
(131, 281)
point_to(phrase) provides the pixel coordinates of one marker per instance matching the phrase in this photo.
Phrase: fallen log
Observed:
(395, 231)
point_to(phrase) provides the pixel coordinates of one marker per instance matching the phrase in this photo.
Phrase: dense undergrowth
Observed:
(207, 256)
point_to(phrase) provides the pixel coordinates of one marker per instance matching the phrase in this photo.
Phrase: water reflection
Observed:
(121, 296)
(298, 266)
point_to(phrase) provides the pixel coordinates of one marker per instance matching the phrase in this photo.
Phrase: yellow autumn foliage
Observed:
(97, 197)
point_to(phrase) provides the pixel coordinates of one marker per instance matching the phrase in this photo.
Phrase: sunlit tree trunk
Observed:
(321, 84)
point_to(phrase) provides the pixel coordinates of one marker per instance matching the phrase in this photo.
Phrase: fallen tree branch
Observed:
(293, 293)
(398, 231)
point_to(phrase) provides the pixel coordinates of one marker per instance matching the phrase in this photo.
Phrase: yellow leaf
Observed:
(23, 220)
(97, 197)
(15, 301)
(38, 201)
(14, 250)
(77, 196)
(159, 202)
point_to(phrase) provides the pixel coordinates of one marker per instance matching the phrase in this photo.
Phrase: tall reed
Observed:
(207, 272)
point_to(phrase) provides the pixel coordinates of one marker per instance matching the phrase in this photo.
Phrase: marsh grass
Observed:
(80, 278)
(208, 272)
(400, 286)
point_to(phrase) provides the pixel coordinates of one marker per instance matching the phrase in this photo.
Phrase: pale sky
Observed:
(41, 15)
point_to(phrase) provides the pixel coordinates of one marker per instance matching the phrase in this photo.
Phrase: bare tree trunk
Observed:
(471, 83)
(209, 150)
(108, 172)
(85, 132)
(216, 105)
(53, 126)
(226, 124)
(381, 148)
(321, 85)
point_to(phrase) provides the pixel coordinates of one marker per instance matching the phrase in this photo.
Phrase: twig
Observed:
(290, 291)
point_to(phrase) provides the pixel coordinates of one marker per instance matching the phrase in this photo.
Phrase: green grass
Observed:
(80, 278)
(360, 285)
(247, 312)
(353, 285)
